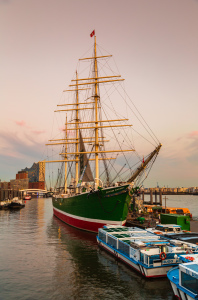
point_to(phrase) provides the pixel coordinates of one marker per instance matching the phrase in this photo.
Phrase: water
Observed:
(42, 258)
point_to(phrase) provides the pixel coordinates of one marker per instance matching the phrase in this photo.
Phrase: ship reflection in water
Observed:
(43, 258)
(91, 273)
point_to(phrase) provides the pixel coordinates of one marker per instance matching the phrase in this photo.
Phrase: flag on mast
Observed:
(93, 33)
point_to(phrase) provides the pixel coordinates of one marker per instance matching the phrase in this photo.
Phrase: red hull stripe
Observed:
(83, 223)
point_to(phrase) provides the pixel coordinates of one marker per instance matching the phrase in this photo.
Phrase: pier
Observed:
(8, 194)
(154, 194)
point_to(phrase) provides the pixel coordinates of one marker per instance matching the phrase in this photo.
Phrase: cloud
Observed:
(14, 145)
(179, 160)
(21, 123)
(38, 132)
(193, 134)
(19, 149)
(5, 1)
(24, 125)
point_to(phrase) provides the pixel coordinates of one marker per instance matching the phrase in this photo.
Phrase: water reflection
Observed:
(43, 258)
(89, 272)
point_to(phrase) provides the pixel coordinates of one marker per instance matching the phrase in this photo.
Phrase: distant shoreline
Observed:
(170, 193)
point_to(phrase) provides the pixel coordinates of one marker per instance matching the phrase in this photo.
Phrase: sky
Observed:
(155, 46)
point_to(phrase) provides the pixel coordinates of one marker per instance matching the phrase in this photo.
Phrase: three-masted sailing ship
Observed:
(88, 201)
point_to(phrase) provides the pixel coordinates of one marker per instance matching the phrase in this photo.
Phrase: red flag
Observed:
(93, 33)
(143, 160)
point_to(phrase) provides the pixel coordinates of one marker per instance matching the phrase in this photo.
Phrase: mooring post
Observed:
(143, 196)
(165, 203)
(160, 195)
(151, 197)
(155, 197)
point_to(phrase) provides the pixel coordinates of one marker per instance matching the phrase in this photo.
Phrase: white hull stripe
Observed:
(90, 220)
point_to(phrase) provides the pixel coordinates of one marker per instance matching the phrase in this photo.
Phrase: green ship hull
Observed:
(90, 211)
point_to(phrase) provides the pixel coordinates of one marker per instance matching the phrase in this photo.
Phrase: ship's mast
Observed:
(66, 156)
(96, 115)
(77, 128)
(96, 124)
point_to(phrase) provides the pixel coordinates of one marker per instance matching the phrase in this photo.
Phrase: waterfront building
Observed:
(5, 185)
(19, 184)
(36, 173)
(28, 178)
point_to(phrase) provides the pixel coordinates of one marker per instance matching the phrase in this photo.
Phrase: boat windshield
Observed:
(164, 229)
(189, 282)
(177, 229)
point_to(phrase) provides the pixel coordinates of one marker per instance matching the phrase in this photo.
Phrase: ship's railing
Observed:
(102, 236)
(112, 241)
(123, 247)
(155, 259)
(108, 239)
(95, 181)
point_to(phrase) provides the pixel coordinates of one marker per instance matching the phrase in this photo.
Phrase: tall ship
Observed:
(97, 176)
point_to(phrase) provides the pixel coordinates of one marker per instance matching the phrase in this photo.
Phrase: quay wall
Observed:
(8, 194)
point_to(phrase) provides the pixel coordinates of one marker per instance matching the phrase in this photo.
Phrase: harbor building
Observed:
(28, 178)
(36, 173)
(19, 184)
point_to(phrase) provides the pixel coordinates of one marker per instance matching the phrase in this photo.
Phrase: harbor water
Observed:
(42, 258)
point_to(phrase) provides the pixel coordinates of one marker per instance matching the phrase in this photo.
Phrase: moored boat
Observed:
(169, 210)
(184, 278)
(91, 210)
(163, 229)
(27, 197)
(143, 251)
(16, 203)
(174, 232)
(90, 201)
(4, 205)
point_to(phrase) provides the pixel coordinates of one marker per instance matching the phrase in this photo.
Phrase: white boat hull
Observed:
(147, 272)
(179, 293)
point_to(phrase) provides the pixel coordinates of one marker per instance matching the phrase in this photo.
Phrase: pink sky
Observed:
(155, 46)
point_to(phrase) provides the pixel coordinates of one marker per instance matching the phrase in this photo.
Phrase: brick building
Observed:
(28, 178)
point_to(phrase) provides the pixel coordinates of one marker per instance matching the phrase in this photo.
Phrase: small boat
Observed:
(175, 232)
(188, 237)
(16, 203)
(163, 229)
(49, 194)
(169, 210)
(4, 205)
(184, 278)
(143, 251)
(27, 197)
